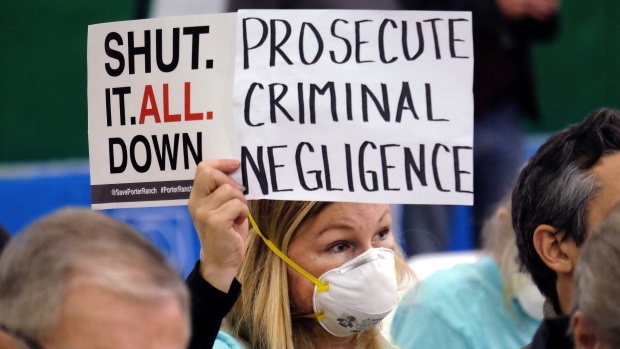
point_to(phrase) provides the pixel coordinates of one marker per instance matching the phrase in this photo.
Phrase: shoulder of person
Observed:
(226, 341)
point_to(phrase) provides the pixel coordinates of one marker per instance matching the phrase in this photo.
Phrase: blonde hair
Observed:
(499, 242)
(262, 317)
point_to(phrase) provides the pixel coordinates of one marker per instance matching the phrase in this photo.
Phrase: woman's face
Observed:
(339, 233)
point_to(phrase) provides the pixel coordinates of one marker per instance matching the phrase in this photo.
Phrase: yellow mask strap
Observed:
(319, 316)
(321, 286)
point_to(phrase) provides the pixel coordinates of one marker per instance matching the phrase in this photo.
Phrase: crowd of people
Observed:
(299, 274)
(294, 274)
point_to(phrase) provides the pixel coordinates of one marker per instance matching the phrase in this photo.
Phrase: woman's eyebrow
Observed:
(346, 226)
(335, 226)
(385, 213)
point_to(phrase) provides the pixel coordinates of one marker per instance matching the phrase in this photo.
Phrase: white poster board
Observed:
(360, 106)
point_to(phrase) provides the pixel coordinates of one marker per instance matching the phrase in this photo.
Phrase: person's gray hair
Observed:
(74, 246)
(595, 285)
(556, 187)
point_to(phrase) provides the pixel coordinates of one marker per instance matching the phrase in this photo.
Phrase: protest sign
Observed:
(159, 101)
(361, 106)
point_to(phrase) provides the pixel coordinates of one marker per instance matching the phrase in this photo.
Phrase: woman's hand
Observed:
(219, 211)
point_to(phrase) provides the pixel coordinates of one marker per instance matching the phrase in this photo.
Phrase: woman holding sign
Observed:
(314, 274)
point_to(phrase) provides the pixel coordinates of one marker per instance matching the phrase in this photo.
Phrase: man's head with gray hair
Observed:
(78, 277)
(595, 303)
(563, 191)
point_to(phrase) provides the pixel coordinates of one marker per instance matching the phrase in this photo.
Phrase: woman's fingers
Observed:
(219, 211)
(211, 174)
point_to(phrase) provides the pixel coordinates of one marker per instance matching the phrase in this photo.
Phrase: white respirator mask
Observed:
(353, 297)
(361, 293)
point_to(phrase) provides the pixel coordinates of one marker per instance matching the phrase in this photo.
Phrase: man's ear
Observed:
(583, 333)
(551, 249)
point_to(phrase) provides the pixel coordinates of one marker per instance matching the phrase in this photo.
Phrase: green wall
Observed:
(43, 113)
(580, 71)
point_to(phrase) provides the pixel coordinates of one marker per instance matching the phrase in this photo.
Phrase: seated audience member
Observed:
(595, 303)
(487, 304)
(78, 279)
(565, 189)
(314, 274)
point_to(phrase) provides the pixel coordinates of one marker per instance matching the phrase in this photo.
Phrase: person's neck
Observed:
(335, 342)
(564, 289)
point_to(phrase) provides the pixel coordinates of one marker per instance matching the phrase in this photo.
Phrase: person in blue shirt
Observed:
(487, 304)
(312, 274)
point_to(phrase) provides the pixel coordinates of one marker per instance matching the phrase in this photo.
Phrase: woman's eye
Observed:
(339, 247)
(382, 235)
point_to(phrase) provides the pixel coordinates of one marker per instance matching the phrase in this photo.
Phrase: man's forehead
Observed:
(95, 317)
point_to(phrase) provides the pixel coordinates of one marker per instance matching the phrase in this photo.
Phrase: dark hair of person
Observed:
(4, 238)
